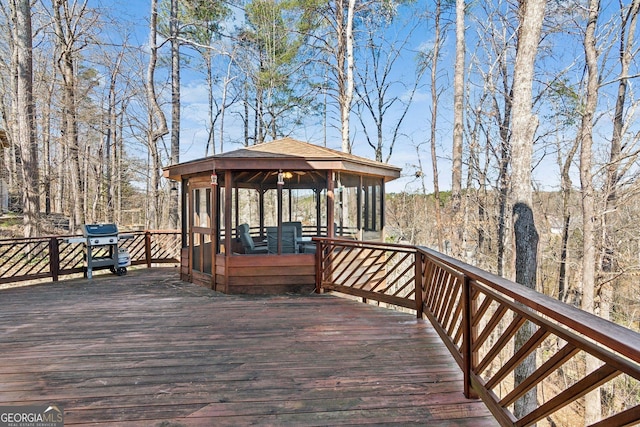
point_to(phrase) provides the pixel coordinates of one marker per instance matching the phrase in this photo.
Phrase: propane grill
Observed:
(101, 243)
(101, 248)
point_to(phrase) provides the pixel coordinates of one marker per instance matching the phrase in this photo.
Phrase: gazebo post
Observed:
(215, 227)
(360, 213)
(261, 192)
(382, 209)
(228, 233)
(279, 185)
(237, 206)
(318, 193)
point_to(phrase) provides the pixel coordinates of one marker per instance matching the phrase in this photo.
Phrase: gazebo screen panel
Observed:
(372, 208)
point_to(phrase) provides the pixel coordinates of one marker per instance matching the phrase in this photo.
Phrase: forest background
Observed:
(118, 92)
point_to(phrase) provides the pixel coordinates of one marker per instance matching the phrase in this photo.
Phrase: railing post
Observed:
(467, 356)
(419, 296)
(54, 258)
(147, 248)
(319, 250)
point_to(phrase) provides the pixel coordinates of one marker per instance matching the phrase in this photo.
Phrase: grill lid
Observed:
(99, 230)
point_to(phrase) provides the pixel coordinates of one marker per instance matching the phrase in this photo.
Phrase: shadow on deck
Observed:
(148, 349)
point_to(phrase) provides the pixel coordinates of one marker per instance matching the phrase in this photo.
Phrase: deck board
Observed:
(149, 350)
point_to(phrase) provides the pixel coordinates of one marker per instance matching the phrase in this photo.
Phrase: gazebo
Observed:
(249, 215)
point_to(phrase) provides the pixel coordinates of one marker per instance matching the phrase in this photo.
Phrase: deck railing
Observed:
(482, 319)
(50, 257)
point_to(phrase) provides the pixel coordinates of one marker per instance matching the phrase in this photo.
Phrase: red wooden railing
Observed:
(51, 257)
(478, 316)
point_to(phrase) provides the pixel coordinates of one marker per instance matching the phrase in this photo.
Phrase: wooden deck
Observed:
(147, 349)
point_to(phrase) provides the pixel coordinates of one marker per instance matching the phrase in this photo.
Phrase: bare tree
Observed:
(111, 140)
(338, 46)
(439, 31)
(376, 99)
(616, 168)
(342, 25)
(174, 30)
(156, 121)
(592, 406)
(24, 107)
(524, 125)
(496, 105)
(458, 123)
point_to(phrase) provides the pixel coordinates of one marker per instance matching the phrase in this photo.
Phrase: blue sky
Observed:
(194, 107)
(416, 126)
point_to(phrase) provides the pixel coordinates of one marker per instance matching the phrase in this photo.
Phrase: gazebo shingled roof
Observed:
(286, 154)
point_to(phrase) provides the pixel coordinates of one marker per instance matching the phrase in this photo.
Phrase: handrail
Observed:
(627, 342)
(478, 315)
(49, 257)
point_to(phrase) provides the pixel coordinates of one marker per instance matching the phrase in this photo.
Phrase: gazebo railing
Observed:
(494, 328)
(50, 257)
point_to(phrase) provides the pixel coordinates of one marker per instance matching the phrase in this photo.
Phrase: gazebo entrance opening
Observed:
(299, 200)
(268, 199)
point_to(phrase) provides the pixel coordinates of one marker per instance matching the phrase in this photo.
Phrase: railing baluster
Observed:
(582, 387)
(567, 352)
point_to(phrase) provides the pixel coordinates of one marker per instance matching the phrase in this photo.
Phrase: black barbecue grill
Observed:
(101, 248)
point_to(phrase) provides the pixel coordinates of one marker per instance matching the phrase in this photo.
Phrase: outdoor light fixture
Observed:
(282, 176)
(214, 176)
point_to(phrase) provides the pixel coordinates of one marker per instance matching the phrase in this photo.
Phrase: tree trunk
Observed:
(119, 148)
(565, 188)
(26, 123)
(245, 105)
(174, 196)
(504, 182)
(211, 140)
(223, 103)
(46, 147)
(157, 123)
(524, 125)
(592, 400)
(110, 145)
(347, 97)
(458, 119)
(434, 119)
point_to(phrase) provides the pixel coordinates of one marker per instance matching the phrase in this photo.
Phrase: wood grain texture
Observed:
(146, 349)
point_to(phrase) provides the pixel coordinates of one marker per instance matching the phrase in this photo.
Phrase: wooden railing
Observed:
(478, 316)
(51, 257)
